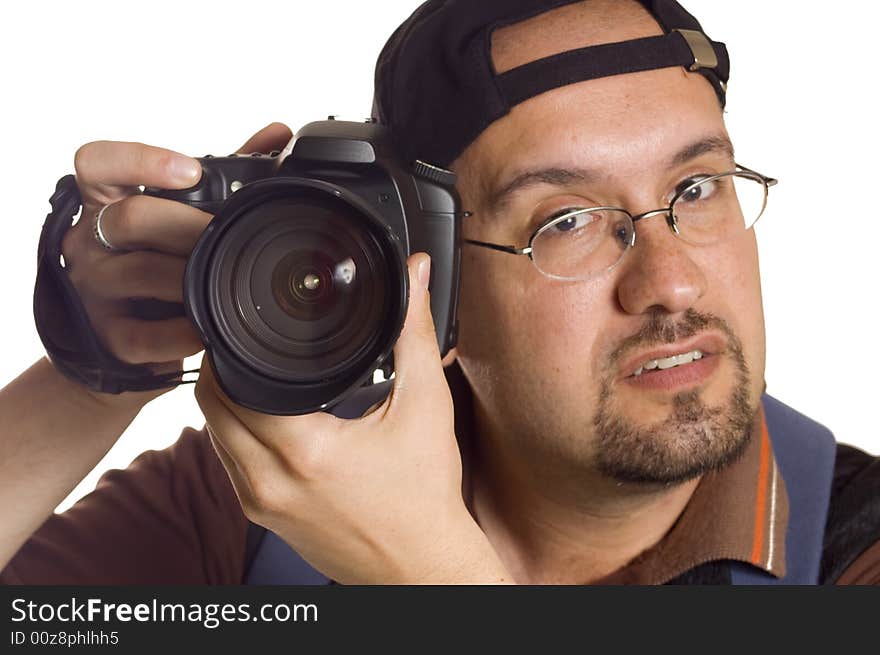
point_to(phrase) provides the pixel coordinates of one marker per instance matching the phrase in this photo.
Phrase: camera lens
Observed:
(306, 283)
(302, 286)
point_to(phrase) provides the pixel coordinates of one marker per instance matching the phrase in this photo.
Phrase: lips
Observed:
(708, 344)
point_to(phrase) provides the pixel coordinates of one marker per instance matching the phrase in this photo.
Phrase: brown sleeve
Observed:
(865, 570)
(171, 517)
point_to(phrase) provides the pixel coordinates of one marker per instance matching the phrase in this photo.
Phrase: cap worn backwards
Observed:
(436, 87)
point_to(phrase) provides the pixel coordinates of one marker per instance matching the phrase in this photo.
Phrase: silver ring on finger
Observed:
(100, 237)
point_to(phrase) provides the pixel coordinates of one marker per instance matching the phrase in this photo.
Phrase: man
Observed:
(607, 393)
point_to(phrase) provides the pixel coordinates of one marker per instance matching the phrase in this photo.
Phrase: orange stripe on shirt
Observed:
(761, 496)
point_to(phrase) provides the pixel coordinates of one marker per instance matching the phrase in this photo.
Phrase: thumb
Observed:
(272, 137)
(417, 367)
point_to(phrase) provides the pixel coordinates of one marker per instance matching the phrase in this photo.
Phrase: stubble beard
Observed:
(695, 438)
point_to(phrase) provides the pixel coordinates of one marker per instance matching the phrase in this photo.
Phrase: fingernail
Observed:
(186, 169)
(424, 272)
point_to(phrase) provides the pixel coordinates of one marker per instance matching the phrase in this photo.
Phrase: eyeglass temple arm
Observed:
(513, 250)
(769, 181)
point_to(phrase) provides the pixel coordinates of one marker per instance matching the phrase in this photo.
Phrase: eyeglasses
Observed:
(581, 242)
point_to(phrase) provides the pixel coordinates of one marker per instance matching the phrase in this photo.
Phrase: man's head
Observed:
(551, 362)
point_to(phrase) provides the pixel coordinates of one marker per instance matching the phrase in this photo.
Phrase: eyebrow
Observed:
(713, 144)
(554, 176)
(557, 176)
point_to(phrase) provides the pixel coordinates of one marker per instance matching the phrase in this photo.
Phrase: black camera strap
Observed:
(62, 321)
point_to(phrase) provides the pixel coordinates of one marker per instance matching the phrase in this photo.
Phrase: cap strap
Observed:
(691, 50)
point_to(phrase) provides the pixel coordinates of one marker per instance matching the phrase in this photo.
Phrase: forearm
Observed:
(52, 434)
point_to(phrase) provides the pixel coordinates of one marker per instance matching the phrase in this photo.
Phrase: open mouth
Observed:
(669, 362)
(677, 373)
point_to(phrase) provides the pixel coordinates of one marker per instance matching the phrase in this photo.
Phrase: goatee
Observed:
(696, 438)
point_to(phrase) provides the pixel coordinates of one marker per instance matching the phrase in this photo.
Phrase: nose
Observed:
(659, 273)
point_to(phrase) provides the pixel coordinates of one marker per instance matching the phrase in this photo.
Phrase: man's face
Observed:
(551, 362)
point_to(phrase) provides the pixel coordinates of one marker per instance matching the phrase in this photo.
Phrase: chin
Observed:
(667, 437)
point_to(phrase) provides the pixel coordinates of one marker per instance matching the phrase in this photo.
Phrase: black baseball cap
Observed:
(437, 90)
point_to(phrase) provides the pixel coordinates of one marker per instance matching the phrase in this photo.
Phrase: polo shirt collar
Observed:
(739, 513)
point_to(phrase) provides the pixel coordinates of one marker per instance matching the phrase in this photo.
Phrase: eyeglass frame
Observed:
(671, 220)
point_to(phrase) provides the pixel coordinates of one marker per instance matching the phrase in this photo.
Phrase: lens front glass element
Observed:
(303, 287)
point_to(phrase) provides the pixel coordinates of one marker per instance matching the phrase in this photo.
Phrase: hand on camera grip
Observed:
(375, 500)
(133, 293)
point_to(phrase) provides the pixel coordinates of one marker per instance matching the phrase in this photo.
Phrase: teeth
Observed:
(669, 362)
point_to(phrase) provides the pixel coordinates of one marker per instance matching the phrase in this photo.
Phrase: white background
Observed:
(199, 77)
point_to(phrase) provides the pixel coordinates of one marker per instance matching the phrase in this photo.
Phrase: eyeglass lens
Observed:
(585, 242)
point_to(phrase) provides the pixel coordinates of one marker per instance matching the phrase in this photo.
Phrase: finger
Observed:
(417, 367)
(143, 342)
(295, 436)
(450, 357)
(236, 439)
(106, 167)
(137, 275)
(147, 223)
(272, 137)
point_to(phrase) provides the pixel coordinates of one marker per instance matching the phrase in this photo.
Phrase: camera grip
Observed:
(439, 236)
(221, 177)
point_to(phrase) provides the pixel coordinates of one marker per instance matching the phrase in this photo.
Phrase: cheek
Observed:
(737, 283)
(566, 329)
(490, 306)
(513, 319)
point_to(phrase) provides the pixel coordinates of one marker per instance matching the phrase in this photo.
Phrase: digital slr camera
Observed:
(299, 286)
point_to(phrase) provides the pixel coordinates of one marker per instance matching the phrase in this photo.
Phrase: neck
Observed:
(552, 524)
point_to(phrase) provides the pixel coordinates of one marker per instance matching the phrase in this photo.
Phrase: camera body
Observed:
(299, 286)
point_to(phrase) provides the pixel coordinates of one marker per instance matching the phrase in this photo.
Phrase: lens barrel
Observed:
(299, 287)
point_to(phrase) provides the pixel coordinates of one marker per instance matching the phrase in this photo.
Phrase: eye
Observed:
(570, 220)
(691, 190)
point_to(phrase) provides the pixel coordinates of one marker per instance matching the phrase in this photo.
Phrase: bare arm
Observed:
(52, 433)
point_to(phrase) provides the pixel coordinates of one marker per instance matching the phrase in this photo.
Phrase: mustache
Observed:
(660, 329)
